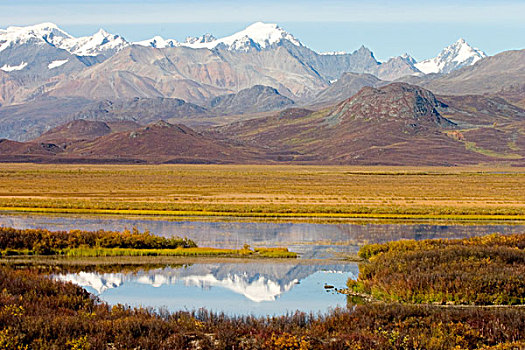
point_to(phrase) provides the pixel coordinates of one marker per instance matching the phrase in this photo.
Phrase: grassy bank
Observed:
(266, 191)
(281, 253)
(485, 270)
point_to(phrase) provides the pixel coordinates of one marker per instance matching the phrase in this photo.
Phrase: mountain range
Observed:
(259, 95)
(43, 60)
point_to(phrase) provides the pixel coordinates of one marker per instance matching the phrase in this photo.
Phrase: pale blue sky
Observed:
(421, 28)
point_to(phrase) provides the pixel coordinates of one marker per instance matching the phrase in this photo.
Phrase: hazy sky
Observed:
(388, 27)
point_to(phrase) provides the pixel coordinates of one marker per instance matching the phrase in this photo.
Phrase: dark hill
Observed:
(162, 142)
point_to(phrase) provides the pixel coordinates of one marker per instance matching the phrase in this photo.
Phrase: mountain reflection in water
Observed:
(243, 288)
(310, 240)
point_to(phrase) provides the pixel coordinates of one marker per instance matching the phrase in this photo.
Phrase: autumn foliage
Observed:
(481, 270)
(44, 242)
(37, 312)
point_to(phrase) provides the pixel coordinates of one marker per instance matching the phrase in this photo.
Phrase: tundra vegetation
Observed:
(266, 191)
(37, 312)
(486, 270)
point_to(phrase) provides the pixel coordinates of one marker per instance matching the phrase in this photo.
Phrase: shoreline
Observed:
(181, 213)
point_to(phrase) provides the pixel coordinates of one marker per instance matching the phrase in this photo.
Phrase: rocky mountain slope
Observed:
(26, 121)
(141, 110)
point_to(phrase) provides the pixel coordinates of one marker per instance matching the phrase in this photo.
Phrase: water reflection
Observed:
(232, 288)
(311, 240)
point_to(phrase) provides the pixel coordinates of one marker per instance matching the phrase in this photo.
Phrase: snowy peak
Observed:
(256, 36)
(158, 42)
(41, 33)
(101, 42)
(457, 55)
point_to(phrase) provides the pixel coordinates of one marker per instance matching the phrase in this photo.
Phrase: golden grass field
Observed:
(266, 191)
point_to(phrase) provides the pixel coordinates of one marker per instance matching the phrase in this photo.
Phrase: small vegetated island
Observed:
(77, 243)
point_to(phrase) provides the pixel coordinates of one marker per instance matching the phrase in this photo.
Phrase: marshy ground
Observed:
(455, 193)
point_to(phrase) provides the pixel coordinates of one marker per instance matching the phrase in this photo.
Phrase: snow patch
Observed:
(8, 68)
(56, 64)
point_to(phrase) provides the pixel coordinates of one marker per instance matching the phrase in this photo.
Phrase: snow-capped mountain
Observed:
(34, 54)
(256, 36)
(44, 33)
(100, 43)
(44, 60)
(158, 42)
(457, 55)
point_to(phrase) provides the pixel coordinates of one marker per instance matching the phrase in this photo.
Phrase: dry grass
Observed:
(245, 190)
